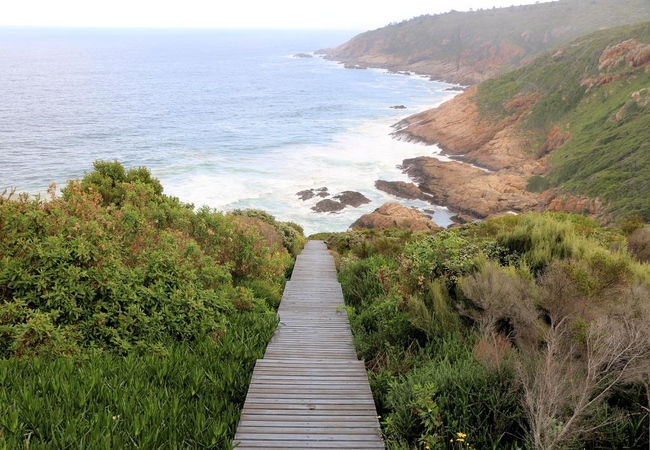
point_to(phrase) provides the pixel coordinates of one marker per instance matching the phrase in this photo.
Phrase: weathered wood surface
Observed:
(310, 390)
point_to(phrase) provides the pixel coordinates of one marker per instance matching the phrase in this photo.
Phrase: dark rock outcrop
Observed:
(351, 198)
(402, 189)
(311, 193)
(328, 206)
(339, 201)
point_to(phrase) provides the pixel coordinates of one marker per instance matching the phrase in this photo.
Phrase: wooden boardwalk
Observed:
(310, 390)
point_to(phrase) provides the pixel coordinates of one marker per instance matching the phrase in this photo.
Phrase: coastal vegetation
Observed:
(128, 319)
(591, 119)
(524, 331)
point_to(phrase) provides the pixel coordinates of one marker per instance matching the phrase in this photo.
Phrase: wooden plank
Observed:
(302, 444)
(369, 437)
(312, 421)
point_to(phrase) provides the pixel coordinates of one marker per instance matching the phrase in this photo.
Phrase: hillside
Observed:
(470, 47)
(569, 132)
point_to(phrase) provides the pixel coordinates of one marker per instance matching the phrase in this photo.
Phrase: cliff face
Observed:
(470, 47)
(499, 146)
(460, 131)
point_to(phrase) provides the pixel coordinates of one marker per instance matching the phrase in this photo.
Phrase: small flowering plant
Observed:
(460, 441)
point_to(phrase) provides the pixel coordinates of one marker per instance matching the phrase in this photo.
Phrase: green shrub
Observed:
(537, 183)
(127, 319)
(292, 234)
(415, 318)
(122, 270)
(264, 290)
(540, 239)
(361, 279)
(469, 400)
(446, 255)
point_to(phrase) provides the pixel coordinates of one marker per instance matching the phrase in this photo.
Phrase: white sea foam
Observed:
(353, 161)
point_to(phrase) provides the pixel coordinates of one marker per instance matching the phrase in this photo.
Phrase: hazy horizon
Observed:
(245, 15)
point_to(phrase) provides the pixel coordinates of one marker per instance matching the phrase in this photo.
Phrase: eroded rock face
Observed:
(455, 126)
(572, 204)
(394, 215)
(470, 190)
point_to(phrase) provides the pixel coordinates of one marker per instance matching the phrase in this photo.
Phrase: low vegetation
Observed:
(519, 332)
(127, 318)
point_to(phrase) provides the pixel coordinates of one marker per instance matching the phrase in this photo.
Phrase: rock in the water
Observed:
(302, 55)
(352, 198)
(311, 193)
(339, 201)
(306, 194)
(328, 205)
(322, 192)
(401, 189)
(394, 215)
(398, 107)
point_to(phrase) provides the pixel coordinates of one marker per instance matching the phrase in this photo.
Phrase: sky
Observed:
(248, 14)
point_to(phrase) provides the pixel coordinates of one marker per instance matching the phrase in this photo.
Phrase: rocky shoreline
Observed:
(490, 170)
(491, 167)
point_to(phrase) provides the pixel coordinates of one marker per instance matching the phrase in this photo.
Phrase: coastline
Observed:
(492, 161)
(487, 169)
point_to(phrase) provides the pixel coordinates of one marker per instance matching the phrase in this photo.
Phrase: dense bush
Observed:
(461, 330)
(115, 264)
(291, 234)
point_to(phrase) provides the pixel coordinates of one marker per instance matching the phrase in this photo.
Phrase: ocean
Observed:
(227, 119)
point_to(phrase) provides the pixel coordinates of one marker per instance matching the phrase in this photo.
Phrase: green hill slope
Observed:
(469, 47)
(592, 119)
